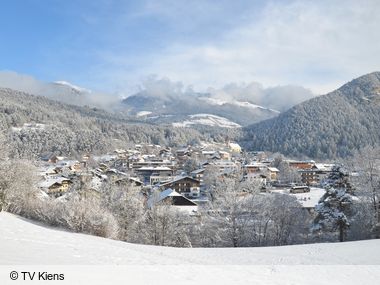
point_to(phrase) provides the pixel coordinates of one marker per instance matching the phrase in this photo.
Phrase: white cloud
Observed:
(61, 90)
(319, 45)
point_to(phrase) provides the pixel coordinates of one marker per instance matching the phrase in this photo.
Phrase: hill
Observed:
(176, 108)
(329, 126)
(36, 124)
(27, 243)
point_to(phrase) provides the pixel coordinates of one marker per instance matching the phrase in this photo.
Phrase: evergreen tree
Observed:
(335, 206)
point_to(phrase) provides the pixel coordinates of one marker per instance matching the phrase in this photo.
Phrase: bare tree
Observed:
(288, 174)
(231, 210)
(163, 225)
(289, 222)
(18, 186)
(366, 164)
(126, 203)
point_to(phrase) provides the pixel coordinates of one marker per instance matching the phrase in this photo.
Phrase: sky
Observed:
(113, 45)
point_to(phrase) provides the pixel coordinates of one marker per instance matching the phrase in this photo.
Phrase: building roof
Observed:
(176, 198)
(197, 171)
(179, 178)
(273, 169)
(53, 180)
(254, 164)
(324, 166)
(151, 168)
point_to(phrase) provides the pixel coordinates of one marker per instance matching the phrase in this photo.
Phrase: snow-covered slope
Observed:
(25, 242)
(208, 120)
(26, 246)
(143, 113)
(242, 112)
(220, 102)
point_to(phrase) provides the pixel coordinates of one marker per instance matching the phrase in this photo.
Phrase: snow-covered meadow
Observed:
(25, 244)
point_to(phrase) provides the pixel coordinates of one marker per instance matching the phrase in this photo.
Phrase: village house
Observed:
(172, 198)
(132, 182)
(208, 153)
(49, 171)
(182, 152)
(234, 147)
(317, 174)
(301, 164)
(51, 158)
(257, 178)
(272, 173)
(152, 175)
(224, 155)
(185, 185)
(254, 167)
(69, 165)
(151, 163)
(226, 167)
(198, 174)
(55, 186)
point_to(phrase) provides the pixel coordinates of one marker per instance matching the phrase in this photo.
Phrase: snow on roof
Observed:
(255, 164)
(135, 179)
(161, 196)
(106, 157)
(68, 163)
(47, 170)
(51, 181)
(185, 204)
(162, 168)
(200, 170)
(324, 166)
(178, 178)
(234, 145)
(224, 163)
(273, 169)
(208, 152)
(146, 156)
(299, 161)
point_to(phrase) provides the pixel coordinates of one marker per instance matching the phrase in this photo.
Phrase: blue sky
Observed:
(112, 46)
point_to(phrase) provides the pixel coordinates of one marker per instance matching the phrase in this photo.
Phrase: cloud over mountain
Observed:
(60, 90)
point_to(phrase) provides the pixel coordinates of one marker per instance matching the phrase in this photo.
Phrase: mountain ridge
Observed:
(241, 113)
(327, 126)
(71, 129)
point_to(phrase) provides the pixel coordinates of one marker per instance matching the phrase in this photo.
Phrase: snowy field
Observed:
(208, 120)
(24, 243)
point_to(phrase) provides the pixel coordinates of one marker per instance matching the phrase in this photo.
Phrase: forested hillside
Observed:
(329, 126)
(35, 125)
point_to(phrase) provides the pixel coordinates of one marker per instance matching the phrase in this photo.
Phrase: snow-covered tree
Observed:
(211, 178)
(366, 166)
(289, 222)
(18, 186)
(190, 165)
(163, 225)
(231, 210)
(335, 207)
(126, 203)
(288, 174)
